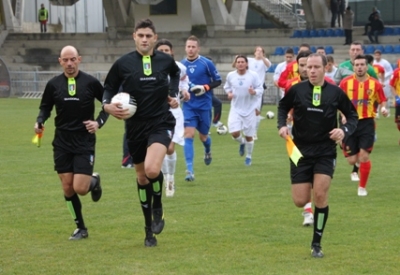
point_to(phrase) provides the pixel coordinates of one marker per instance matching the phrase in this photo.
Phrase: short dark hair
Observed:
(356, 43)
(289, 51)
(163, 42)
(362, 56)
(145, 23)
(194, 38)
(329, 58)
(369, 58)
(302, 55)
(378, 51)
(241, 56)
(321, 48)
(323, 58)
(305, 45)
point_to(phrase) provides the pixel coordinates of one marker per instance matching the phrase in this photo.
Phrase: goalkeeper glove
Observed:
(397, 100)
(199, 90)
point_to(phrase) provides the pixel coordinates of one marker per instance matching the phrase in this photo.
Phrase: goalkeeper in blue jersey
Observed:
(203, 77)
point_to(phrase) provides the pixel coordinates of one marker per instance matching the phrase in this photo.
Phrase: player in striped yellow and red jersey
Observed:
(395, 88)
(380, 72)
(292, 69)
(364, 91)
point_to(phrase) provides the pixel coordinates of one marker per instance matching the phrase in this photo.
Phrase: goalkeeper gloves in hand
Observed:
(199, 90)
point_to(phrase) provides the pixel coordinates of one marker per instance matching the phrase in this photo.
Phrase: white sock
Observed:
(171, 163)
(164, 167)
(257, 123)
(249, 148)
(239, 139)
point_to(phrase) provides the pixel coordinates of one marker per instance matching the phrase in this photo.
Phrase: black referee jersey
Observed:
(74, 103)
(315, 114)
(149, 82)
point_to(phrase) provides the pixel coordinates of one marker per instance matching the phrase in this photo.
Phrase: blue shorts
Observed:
(199, 119)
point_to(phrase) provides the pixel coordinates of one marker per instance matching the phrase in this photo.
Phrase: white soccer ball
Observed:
(270, 115)
(126, 101)
(222, 130)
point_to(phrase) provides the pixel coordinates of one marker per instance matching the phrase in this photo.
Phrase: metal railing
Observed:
(282, 10)
(31, 84)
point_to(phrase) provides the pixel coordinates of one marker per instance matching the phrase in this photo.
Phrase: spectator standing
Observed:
(43, 16)
(341, 9)
(348, 20)
(334, 11)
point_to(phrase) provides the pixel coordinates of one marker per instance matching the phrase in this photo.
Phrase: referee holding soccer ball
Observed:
(73, 94)
(152, 79)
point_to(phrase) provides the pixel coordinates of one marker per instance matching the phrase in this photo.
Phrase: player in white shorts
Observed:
(244, 89)
(169, 163)
(259, 64)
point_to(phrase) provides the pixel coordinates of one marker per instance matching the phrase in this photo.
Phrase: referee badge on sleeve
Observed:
(316, 96)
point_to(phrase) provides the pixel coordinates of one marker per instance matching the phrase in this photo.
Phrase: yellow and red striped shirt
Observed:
(395, 81)
(363, 95)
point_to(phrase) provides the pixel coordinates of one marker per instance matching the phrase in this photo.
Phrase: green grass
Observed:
(231, 220)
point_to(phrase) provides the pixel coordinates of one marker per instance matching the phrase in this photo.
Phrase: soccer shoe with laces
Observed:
(96, 191)
(354, 176)
(157, 225)
(170, 189)
(247, 162)
(218, 124)
(316, 251)
(308, 218)
(362, 192)
(207, 158)
(150, 240)
(79, 234)
(241, 149)
(189, 176)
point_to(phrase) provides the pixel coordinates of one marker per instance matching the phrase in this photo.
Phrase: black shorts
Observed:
(362, 138)
(74, 152)
(397, 116)
(142, 134)
(308, 166)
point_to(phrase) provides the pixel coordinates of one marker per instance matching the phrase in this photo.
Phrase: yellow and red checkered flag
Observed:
(37, 138)
(293, 152)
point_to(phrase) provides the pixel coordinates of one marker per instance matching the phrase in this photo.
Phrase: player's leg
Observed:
(258, 115)
(203, 128)
(169, 173)
(126, 156)
(190, 124)
(235, 128)
(366, 143)
(217, 106)
(249, 130)
(397, 119)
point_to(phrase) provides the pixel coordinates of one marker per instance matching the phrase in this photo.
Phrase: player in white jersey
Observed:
(244, 89)
(388, 74)
(169, 163)
(259, 64)
(289, 56)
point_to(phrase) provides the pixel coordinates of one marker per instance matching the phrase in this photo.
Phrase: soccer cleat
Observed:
(157, 225)
(247, 161)
(308, 218)
(207, 158)
(354, 176)
(316, 250)
(170, 189)
(189, 176)
(218, 124)
(96, 191)
(362, 192)
(150, 240)
(127, 166)
(241, 149)
(79, 234)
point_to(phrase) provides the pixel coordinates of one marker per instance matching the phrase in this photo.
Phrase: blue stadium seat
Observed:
(396, 49)
(380, 47)
(394, 66)
(338, 32)
(296, 49)
(313, 33)
(388, 31)
(296, 34)
(369, 49)
(313, 49)
(396, 31)
(305, 33)
(272, 68)
(279, 51)
(329, 33)
(388, 49)
(329, 49)
(321, 33)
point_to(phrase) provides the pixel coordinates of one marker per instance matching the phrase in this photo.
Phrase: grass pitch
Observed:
(232, 219)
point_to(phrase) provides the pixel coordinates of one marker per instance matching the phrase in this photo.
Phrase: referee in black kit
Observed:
(73, 94)
(315, 132)
(152, 79)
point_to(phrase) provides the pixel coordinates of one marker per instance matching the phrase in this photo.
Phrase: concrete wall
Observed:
(181, 22)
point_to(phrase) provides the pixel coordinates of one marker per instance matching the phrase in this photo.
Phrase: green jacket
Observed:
(43, 14)
(346, 68)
